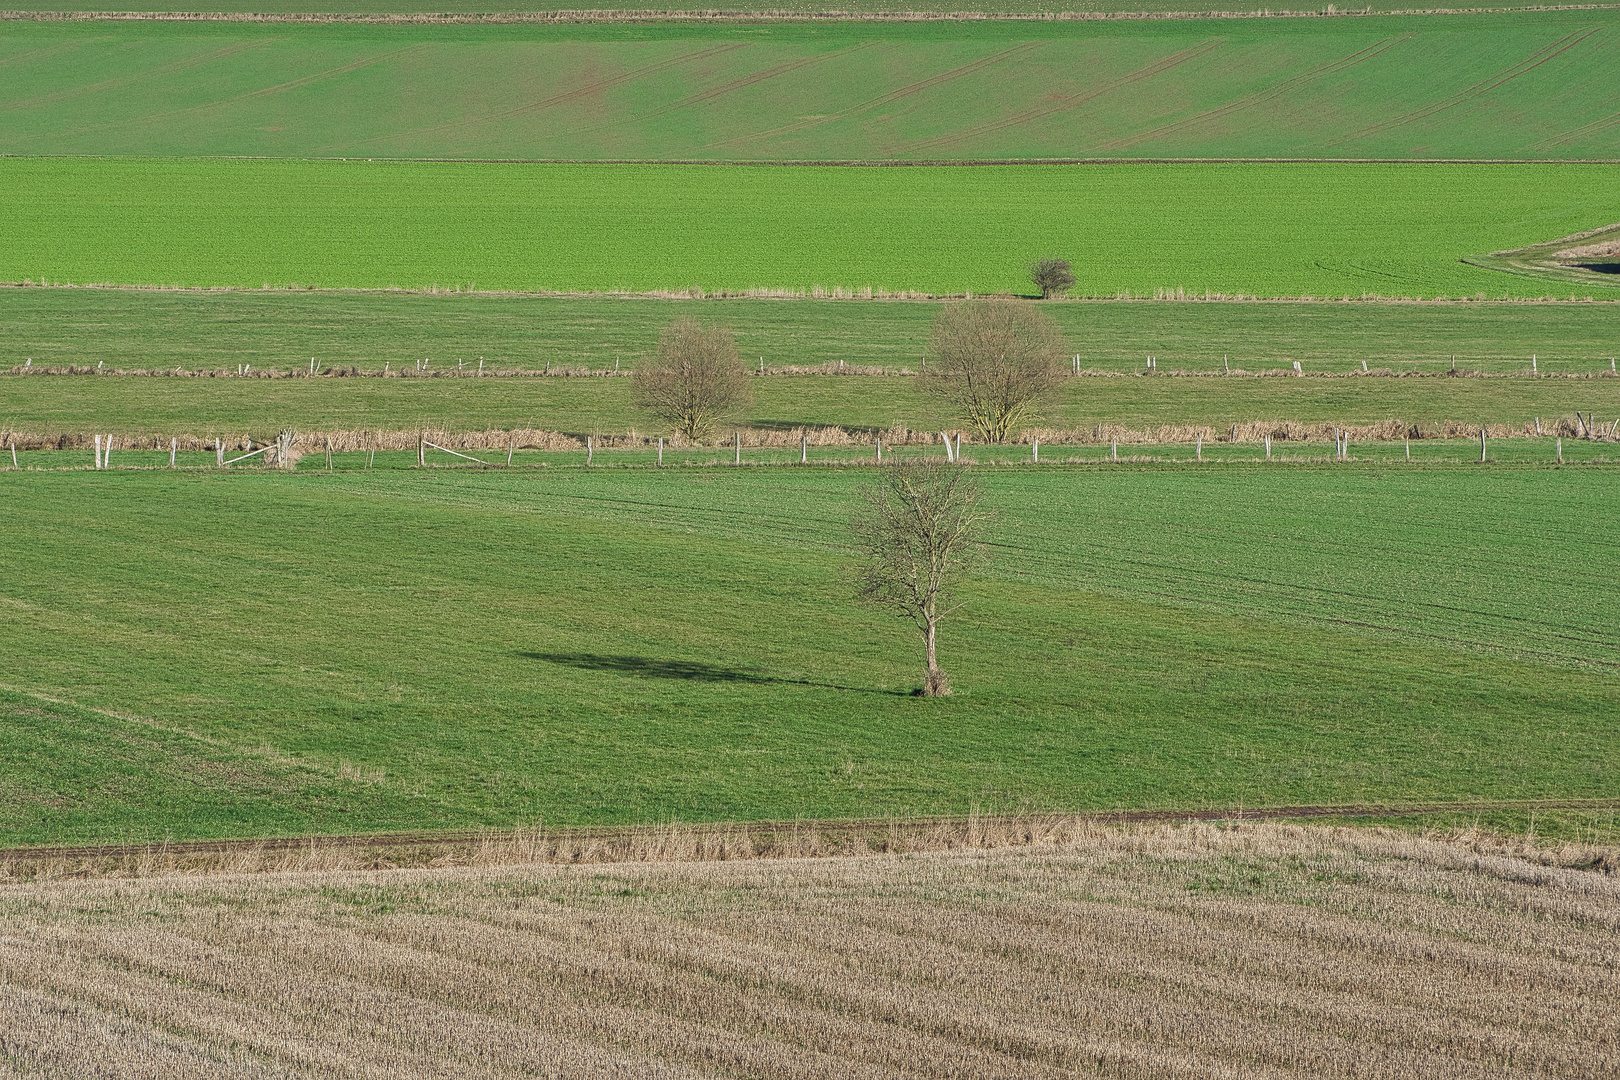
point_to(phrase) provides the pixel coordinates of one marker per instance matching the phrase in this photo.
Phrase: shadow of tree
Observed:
(648, 667)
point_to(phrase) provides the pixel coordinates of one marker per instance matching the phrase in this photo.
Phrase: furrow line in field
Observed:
(1534, 61)
(1269, 94)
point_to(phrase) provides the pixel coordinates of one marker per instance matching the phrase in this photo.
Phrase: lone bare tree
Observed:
(1053, 277)
(695, 380)
(995, 362)
(916, 536)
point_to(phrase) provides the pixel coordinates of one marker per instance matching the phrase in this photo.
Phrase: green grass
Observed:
(278, 330)
(282, 653)
(1518, 85)
(234, 407)
(1000, 7)
(1328, 230)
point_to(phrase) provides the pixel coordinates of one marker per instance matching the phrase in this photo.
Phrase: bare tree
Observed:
(916, 536)
(1053, 277)
(696, 379)
(996, 362)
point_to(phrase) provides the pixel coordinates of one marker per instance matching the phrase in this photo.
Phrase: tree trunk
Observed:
(934, 683)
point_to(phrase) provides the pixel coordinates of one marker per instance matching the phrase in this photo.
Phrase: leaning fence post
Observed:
(1560, 450)
(1481, 444)
(950, 455)
(1200, 446)
(329, 453)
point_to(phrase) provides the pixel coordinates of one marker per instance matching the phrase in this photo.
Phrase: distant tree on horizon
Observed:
(696, 379)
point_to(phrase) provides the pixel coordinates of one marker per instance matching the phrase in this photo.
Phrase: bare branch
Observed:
(996, 362)
(696, 380)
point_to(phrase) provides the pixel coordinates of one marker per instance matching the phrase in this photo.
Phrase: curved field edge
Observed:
(1323, 230)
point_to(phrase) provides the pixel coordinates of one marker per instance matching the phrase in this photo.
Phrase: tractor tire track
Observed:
(1158, 67)
(909, 90)
(1585, 131)
(579, 93)
(1287, 86)
(113, 84)
(752, 79)
(1530, 63)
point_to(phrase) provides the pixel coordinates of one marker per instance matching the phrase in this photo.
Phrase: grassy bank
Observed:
(278, 653)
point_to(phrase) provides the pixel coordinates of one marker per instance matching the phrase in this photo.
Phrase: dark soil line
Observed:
(763, 828)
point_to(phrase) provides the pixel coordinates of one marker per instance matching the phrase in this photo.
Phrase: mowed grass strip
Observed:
(1143, 953)
(454, 649)
(283, 330)
(1267, 230)
(1527, 85)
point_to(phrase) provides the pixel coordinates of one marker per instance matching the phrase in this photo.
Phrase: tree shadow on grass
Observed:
(648, 667)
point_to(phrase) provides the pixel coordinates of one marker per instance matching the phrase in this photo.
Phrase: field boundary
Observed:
(694, 842)
(591, 15)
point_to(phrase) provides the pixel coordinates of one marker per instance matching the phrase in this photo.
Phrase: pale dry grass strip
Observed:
(1193, 950)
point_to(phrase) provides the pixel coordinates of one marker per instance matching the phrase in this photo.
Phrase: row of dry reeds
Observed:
(499, 439)
(1163, 952)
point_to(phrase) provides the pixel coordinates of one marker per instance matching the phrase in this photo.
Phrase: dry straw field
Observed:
(1151, 951)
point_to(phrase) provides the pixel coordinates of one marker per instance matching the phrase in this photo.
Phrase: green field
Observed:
(279, 330)
(808, 7)
(275, 653)
(159, 406)
(1534, 85)
(1327, 230)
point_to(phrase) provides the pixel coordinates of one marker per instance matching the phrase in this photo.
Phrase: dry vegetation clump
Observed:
(1186, 951)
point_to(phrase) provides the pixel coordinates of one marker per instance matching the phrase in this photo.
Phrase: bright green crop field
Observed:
(1530, 85)
(1327, 230)
(193, 654)
(280, 330)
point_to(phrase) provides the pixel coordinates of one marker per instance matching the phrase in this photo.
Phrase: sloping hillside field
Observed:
(1326, 230)
(1507, 85)
(197, 653)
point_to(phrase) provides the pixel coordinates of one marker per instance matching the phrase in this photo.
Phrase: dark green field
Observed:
(1523, 85)
(352, 652)
(281, 330)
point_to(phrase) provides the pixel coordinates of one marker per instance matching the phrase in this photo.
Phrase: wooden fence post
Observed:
(804, 449)
(736, 454)
(329, 453)
(1268, 446)
(1408, 448)
(1035, 450)
(219, 452)
(1560, 449)
(371, 449)
(1114, 450)
(421, 450)
(877, 445)
(590, 449)
(98, 451)
(1481, 444)
(174, 448)
(660, 450)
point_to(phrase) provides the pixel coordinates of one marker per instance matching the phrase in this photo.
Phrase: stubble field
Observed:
(1191, 952)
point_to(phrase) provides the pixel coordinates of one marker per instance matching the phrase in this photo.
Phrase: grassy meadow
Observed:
(1146, 953)
(158, 406)
(1268, 230)
(202, 654)
(1526, 85)
(281, 330)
